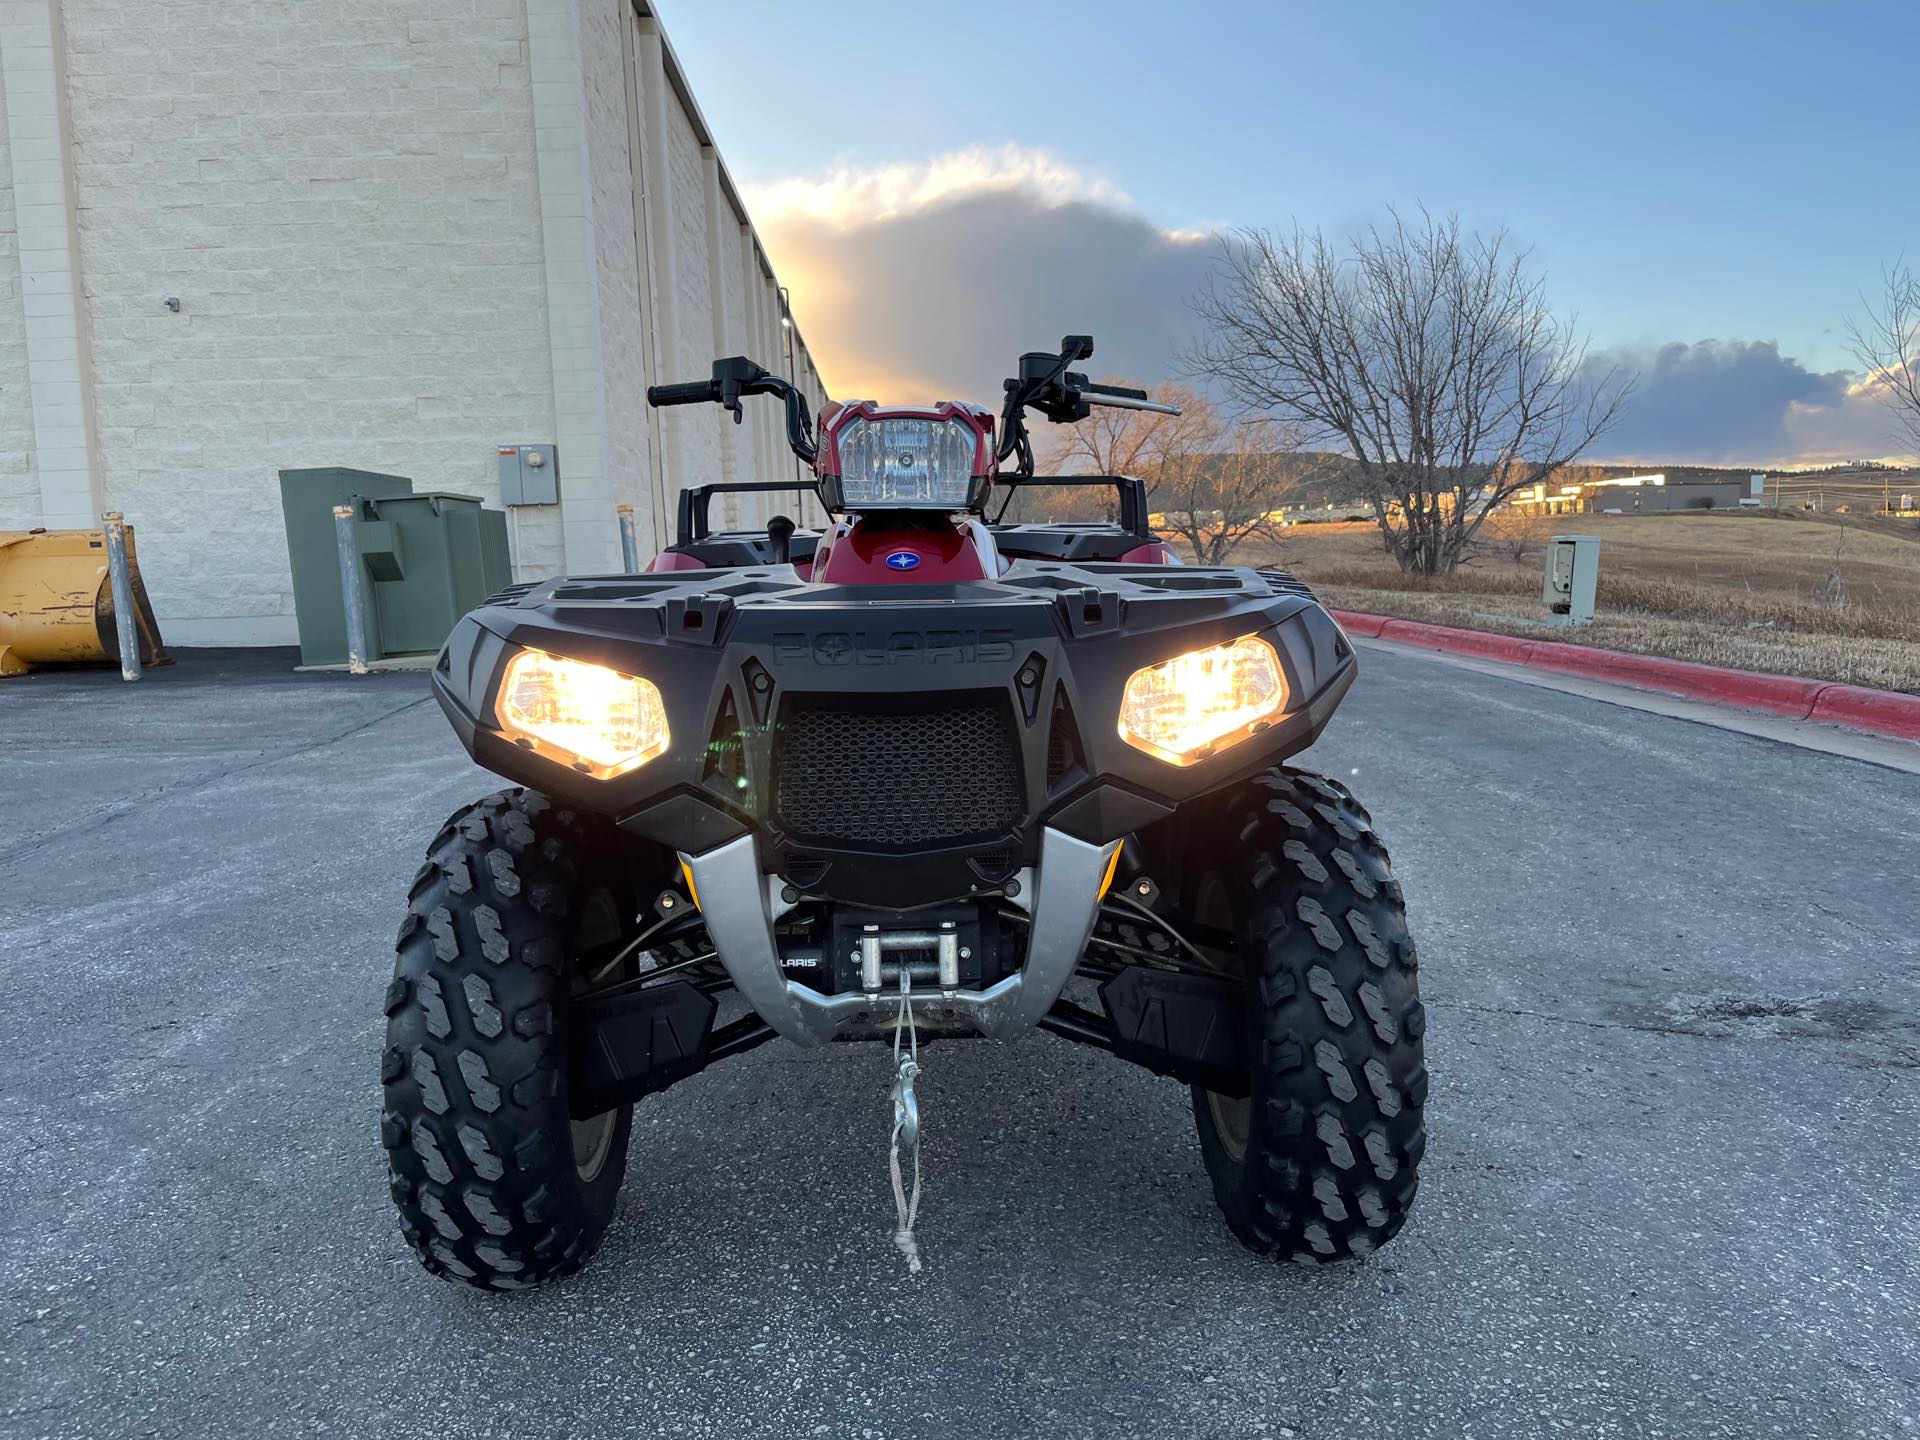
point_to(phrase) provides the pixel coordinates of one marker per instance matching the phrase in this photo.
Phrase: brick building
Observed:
(399, 234)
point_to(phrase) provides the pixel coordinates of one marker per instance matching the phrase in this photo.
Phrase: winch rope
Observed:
(906, 1120)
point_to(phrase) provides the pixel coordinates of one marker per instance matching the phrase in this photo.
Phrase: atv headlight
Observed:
(593, 718)
(1195, 705)
(906, 461)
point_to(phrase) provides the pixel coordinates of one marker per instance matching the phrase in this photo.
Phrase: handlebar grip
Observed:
(1125, 392)
(691, 392)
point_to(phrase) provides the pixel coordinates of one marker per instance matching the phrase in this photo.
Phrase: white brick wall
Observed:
(624, 337)
(698, 454)
(382, 261)
(574, 323)
(19, 491)
(344, 199)
(32, 65)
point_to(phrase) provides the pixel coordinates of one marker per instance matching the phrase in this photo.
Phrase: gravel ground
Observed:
(1674, 997)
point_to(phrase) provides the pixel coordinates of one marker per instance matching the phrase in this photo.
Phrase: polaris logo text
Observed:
(896, 647)
(903, 560)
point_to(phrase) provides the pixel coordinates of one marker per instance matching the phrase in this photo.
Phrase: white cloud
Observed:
(1743, 402)
(847, 195)
(925, 281)
(1857, 425)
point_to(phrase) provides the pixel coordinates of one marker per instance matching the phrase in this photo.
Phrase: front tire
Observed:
(1321, 1161)
(519, 906)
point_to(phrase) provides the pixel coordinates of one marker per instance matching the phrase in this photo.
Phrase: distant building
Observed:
(1637, 494)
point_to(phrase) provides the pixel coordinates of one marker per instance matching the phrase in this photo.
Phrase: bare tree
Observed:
(1215, 482)
(1886, 340)
(1512, 533)
(1430, 356)
(1112, 441)
(1229, 486)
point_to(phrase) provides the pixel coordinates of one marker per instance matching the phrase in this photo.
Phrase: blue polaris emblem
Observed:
(903, 560)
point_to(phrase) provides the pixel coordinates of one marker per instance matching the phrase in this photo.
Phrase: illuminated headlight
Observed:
(1195, 705)
(906, 461)
(588, 716)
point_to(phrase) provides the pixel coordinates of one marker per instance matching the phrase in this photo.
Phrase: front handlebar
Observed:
(1044, 384)
(736, 376)
(1062, 395)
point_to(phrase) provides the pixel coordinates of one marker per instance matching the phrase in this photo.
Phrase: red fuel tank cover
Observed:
(867, 554)
(672, 560)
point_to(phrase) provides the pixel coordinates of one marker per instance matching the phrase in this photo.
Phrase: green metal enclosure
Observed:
(425, 560)
(307, 498)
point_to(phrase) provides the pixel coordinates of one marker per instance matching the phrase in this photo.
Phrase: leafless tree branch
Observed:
(1213, 481)
(1427, 355)
(1886, 341)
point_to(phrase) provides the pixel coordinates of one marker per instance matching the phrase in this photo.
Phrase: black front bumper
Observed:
(893, 745)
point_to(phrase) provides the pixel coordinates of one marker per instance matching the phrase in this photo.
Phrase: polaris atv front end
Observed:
(1019, 789)
(836, 774)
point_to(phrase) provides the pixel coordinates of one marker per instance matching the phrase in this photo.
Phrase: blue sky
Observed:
(1684, 172)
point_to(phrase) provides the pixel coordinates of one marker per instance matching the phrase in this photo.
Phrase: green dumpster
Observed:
(425, 560)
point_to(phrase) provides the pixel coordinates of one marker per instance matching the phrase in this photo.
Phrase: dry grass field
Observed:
(1829, 597)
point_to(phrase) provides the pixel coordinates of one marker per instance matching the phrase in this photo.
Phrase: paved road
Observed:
(1675, 1044)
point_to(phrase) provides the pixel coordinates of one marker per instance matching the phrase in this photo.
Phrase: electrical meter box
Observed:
(529, 475)
(1573, 570)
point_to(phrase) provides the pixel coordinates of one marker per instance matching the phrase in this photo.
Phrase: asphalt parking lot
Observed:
(1673, 983)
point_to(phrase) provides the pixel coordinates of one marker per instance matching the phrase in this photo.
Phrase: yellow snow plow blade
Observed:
(56, 601)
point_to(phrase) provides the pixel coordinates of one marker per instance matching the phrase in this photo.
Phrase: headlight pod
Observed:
(597, 720)
(906, 462)
(1196, 705)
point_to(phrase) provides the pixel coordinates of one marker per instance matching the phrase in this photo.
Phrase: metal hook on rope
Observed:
(906, 1125)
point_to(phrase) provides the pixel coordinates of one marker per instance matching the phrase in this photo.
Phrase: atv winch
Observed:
(921, 774)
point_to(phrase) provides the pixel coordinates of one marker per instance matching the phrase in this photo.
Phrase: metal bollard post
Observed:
(629, 541)
(121, 575)
(343, 535)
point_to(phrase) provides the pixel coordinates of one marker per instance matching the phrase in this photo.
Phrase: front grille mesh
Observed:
(897, 778)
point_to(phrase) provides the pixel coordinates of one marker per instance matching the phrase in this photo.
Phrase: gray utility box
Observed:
(1573, 572)
(424, 561)
(529, 475)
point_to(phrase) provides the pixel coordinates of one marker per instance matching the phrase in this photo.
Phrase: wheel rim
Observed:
(1232, 1122)
(592, 1139)
(1232, 1118)
(599, 927)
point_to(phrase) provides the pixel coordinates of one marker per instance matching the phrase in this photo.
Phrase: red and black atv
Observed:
(921, 775)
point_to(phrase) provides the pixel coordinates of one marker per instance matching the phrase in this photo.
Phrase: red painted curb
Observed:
(1354, 623)
(1879, 712)
(1884, 712)
(1743, 689)
(1483, 643)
